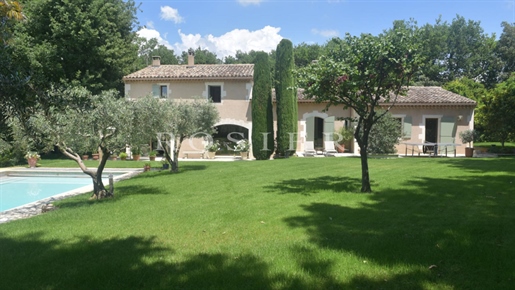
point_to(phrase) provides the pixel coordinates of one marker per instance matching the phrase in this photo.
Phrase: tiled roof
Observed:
(415, 96)
(433, 95)
(199, 71)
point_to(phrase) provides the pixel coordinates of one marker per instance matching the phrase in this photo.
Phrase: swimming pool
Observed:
(18, 188)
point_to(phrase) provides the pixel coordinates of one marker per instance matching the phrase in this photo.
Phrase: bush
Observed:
(385, 134)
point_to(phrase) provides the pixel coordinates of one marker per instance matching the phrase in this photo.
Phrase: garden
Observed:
(299, 223)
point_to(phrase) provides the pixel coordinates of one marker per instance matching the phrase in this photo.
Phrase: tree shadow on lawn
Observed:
(120, 191)
(498, 164)
(35, 262)
(309, 186)
(456, 232)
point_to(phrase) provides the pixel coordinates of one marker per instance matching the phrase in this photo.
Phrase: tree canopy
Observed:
(361, 72)
(90, 43)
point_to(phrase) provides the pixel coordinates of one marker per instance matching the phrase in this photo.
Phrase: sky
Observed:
(226, 26)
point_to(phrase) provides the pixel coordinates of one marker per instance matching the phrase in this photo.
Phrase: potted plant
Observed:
(123, 156)
(136, 153)
(342, 137)
(468, 136)
(165, 163)
(114, 156)
(152, 155)
(32, 158)
(96, 156)
(212, 148)
(243, 146)
(85, 156)
(146, 167)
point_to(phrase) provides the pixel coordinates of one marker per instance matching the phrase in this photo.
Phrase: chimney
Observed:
(191, 57)
(156, 61)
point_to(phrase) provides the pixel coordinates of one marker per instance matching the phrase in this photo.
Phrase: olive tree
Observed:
(185, 119)
(74, 130)
(359, 74)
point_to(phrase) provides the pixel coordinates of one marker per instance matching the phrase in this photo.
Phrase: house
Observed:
(426, 113)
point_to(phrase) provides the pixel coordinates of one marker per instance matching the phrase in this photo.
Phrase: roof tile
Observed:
(200, 71)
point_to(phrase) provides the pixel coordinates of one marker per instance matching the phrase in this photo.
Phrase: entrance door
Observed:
(431, 134)
(319, 132)
(432, 130)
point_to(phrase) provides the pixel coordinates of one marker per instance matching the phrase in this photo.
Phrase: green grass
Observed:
(298, 223)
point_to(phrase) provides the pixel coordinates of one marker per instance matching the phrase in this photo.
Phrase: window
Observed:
(215, 93)
(160, 91)
(163, 92)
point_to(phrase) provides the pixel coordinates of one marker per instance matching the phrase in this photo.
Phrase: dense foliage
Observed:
(262, 110)
(385, 134)
(359, 73)
(286, 98)
(91, 43)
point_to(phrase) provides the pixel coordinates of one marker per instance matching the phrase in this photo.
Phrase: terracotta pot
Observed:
(114, 157)
(152, 158)
(85, 157)
(136, 157)
(95, 156)
(32, 162)
(469, 151)
(340, 148)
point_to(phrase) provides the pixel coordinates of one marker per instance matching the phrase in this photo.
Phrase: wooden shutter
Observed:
(328, 128)
(406, 127)
(448, 129)
(310, 129)
(156, 91)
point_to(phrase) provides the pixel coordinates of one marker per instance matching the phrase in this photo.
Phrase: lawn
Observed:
(299, 223)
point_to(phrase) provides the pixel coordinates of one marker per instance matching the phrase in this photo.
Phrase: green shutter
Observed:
(328, 128)
(155, 91)
(406, 127)
(448, 129)
(310, 129)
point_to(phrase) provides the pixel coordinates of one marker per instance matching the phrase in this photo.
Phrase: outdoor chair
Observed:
(309, 148)
(329, 148)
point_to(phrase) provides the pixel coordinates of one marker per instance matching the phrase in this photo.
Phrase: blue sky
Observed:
(224, 26)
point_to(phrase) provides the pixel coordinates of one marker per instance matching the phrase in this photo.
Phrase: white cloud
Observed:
(169, 13)
(325, 33)
(265, 39)
(150, 25)
(249, 2)
(152, 33)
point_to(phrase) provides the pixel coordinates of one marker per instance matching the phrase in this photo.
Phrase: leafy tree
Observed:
(150, 48)
(186, 119)
(497, 115)
(90, 43)
(384, 135)
(468, 88)
(464, 41)
(506, 49)
(202, 56)
(102, 126)
(10, 12)
(286, 98)
(305, 53)
(262, 110)
(362, 72)
(433, 47)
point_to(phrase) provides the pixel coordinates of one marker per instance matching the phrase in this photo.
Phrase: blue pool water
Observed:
(16, 191)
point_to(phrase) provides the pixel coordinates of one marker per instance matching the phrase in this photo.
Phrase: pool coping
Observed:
(35, 208)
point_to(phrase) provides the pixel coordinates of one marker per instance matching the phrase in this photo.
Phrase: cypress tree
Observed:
(286, 98)
(262, 111)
